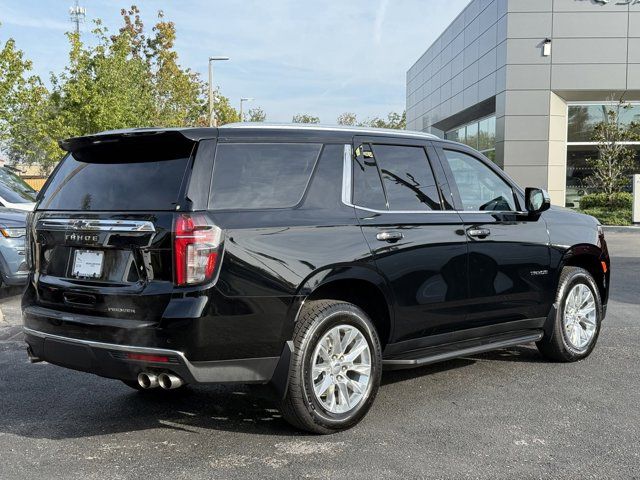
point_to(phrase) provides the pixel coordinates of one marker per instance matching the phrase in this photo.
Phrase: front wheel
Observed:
(336, 368)
(577, 321)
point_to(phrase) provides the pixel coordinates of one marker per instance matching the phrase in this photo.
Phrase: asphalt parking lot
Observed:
(506, 414)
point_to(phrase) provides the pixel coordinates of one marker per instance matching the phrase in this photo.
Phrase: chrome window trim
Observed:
(347, 187)
(347, 176)
(93, 225)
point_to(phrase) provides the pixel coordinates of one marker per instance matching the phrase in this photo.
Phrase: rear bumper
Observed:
(15, 279)
(12, 275)
(110, 360)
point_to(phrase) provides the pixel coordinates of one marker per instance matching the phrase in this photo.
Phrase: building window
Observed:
(480, 134)
(581, 145)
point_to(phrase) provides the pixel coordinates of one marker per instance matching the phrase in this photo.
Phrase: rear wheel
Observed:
(576, 324)
(336, 368)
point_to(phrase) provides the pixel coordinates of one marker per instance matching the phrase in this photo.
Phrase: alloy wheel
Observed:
(580, 316)
(341, 369)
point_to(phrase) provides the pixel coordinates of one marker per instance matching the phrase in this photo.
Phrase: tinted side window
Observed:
(261, 175)
(367, 186)
(481, 189)
(408, 180)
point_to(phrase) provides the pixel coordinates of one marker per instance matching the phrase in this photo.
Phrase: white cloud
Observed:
(382, 10)
(12, 16)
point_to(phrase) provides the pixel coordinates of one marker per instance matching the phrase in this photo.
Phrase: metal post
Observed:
(636, 199)
(242, 100)
(212, 113)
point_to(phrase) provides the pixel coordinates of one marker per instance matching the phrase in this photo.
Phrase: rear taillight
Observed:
(196, 248)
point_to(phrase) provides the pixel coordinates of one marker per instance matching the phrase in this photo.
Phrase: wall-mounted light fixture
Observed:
(546, 47)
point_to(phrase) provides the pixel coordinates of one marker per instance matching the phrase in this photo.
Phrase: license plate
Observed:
(87, 263)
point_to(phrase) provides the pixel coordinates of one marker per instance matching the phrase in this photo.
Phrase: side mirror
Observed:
(537, 200)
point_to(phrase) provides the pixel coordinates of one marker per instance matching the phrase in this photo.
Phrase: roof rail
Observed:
(327, 128)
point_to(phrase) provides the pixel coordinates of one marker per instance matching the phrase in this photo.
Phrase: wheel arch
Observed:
(589, 257)
(361, 286)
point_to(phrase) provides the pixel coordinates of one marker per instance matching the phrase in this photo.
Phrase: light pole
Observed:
(212, 113)
(242, 100)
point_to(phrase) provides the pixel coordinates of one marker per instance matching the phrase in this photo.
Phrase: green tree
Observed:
(257, 115)
(225, 113)
(103, 87)
(304, 118)
(13, 68)
(615, 160)
(179, 94)
(24, 108)
(130, 78)
(396, 121)
(348, 118)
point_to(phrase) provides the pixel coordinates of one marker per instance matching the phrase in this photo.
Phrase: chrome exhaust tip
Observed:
(32, 357)
(147, 380)
(169, 381)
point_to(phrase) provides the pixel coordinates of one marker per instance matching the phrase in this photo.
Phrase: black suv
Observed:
(307, 257)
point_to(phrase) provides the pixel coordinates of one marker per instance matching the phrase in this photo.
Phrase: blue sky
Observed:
(322, 57)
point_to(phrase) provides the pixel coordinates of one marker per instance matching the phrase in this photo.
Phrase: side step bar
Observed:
(450, 351)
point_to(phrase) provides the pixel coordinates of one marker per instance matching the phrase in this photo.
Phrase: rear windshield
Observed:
(261, 175)
(116, 179)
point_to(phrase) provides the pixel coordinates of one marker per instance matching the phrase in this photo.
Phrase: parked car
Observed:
(307, 257)
(13, 265)
(15, 192)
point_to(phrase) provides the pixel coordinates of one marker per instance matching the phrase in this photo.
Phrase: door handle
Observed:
(390, 237)
(479, 232)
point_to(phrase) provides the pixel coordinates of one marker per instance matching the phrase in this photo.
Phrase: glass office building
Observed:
(526, 81)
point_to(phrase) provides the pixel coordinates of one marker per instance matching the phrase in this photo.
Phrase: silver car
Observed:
(13, 265)
(15, 192)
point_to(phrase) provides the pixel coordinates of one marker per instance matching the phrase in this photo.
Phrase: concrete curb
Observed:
(615, 229)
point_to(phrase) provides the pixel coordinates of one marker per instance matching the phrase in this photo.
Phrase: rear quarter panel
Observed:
(274, 258)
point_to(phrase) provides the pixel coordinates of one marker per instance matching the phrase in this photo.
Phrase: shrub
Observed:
(621, 217)
(615, 201)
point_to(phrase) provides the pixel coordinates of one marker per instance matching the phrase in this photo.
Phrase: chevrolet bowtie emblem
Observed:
(79, 225)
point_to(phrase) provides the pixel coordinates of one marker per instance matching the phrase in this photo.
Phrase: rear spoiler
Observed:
(178, 135)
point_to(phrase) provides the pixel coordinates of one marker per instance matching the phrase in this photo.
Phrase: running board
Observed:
(427, 356)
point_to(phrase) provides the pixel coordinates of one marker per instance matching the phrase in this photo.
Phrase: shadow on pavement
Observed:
(54, 403)
(8, 292)
(51, 402)
(525, 353)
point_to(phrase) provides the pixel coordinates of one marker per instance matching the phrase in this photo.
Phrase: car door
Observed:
(509, 257)
(414, 234)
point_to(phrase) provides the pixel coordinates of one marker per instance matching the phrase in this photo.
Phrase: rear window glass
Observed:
(144, 185)
(261, 175)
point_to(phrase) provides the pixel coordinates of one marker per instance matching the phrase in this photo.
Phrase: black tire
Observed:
(555, 345)
(300, 406)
